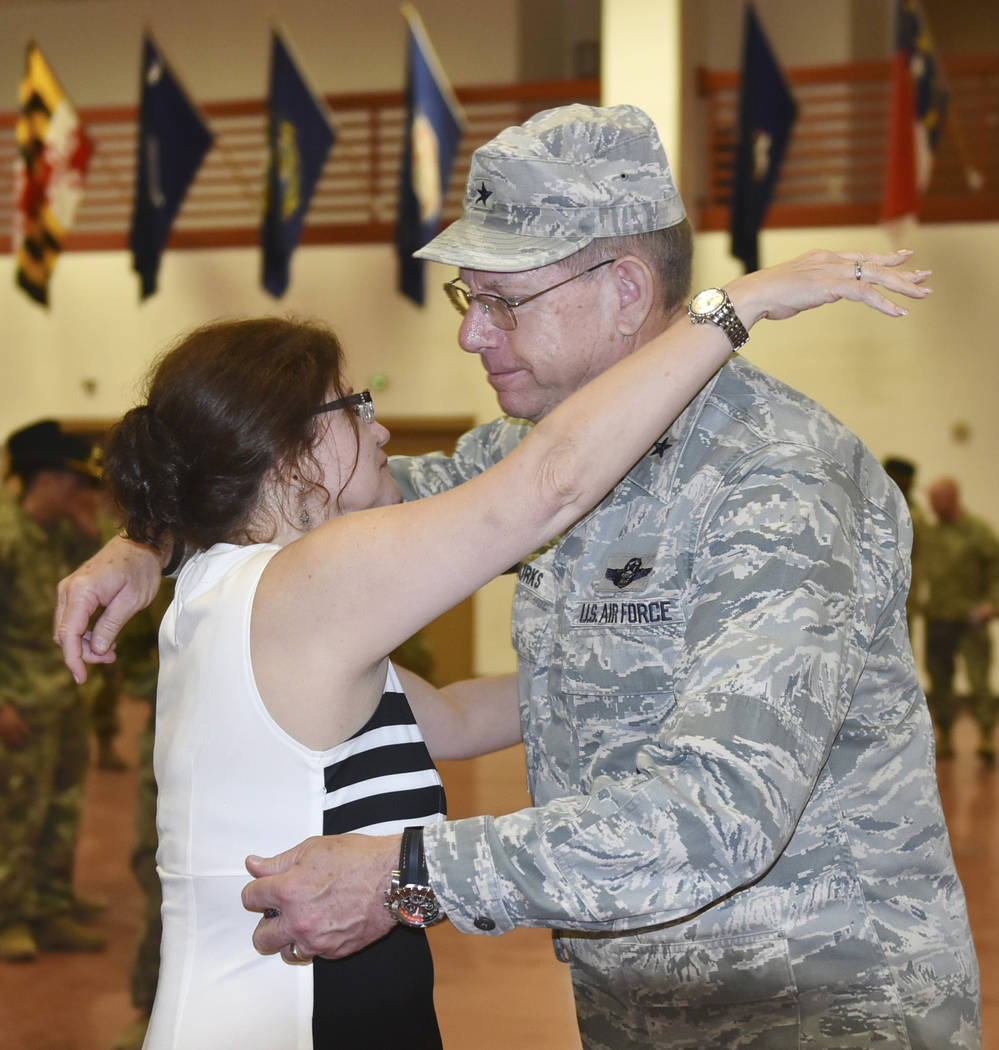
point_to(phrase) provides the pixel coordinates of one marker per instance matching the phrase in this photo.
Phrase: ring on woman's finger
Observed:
(296, 954)
(857, 271)
(271, 913)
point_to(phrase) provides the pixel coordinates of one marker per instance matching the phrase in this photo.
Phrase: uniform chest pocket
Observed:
(614, 685)
(618, 648)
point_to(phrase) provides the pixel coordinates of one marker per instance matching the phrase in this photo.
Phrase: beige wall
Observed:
(901, 384)
(220, 48)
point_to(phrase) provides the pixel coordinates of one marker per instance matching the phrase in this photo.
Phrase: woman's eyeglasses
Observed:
(362, 404)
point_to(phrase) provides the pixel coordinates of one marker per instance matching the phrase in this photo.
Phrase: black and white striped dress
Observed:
(382, 781)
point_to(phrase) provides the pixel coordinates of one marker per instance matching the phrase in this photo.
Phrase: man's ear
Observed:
(635, 291)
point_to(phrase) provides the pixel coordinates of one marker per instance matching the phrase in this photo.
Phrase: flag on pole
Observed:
(54, 154)
(434, 126)
(766, 116)
(173, 140)
(300, 136)
(916, 113)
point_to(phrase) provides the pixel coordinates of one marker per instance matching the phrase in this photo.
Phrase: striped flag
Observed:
(54, 154)
(434, 126)
(917, 110)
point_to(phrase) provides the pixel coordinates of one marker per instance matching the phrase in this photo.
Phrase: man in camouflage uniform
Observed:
(960, 567)
(43, 720)
(737, 832)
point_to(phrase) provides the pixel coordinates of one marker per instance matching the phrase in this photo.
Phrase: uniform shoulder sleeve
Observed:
(476, 451)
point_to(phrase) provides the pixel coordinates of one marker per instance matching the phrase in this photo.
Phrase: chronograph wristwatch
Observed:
(410, 897)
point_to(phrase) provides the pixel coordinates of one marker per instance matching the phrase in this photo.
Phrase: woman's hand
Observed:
(121, 578)
(819, 277)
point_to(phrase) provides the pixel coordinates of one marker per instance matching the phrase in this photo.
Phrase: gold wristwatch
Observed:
(714, 306)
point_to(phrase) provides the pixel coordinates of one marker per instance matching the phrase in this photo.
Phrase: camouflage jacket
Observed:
(32, 562)
(729, 752)
(960, 567)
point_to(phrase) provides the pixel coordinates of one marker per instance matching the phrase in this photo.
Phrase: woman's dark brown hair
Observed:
(229, 403)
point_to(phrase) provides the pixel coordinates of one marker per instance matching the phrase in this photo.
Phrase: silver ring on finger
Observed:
(857, 271)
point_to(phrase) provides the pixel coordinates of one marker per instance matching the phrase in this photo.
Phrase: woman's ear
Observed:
(635, 293)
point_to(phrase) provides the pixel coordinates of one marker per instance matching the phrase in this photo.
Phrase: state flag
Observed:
(917, 110)
(435, 123)
(54, 152)
(173, 140)
(300, 136)
(766, 116)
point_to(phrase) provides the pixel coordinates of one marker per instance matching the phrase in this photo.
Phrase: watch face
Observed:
(707, 301)
(418, 909)
(415, 906)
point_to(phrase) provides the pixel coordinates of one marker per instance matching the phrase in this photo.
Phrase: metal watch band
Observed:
(724, 317)
(728, 321)
(734, 328)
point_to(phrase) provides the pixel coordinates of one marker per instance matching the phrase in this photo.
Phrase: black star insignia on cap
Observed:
(483, 194)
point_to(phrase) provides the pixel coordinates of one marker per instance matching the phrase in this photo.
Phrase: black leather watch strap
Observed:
(410, 899)
(412, 862)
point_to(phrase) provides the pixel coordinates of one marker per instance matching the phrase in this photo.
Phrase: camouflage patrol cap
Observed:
(542, 190)
(46, 446)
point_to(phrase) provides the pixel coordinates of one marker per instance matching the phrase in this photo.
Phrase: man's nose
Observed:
(477, 333)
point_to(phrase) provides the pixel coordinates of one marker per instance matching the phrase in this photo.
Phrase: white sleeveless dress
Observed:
(232, 782)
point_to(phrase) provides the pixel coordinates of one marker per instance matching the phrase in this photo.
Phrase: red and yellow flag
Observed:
(54, 154)
(917, 109)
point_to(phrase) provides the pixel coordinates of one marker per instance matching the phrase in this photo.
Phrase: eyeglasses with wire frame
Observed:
(362, 403)
(497, 308)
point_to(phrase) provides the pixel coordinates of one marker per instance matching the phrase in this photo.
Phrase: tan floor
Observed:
(492, 993)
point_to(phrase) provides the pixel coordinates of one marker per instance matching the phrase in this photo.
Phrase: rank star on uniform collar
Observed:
(660, 447)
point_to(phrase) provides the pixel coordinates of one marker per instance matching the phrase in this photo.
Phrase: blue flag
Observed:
(766, 115)
(299, 139)
(173, 141)
(434, 126)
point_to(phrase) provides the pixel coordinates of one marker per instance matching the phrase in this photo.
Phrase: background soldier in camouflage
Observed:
(903, 473)
(103, 688)
(960, 566)
(737, 832)
(43, 719)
